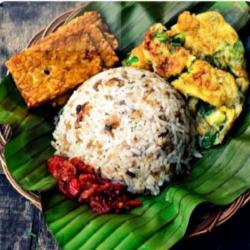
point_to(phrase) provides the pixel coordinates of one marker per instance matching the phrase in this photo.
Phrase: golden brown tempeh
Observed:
(103, 47)
(63, 59)
(50, 69)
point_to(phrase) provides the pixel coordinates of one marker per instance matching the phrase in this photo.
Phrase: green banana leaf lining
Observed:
(219, 177)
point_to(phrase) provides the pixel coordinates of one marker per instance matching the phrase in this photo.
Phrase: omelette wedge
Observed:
(163, 54)
(209, 84)
(203, 58)
(137, 59)
(213, 123)
(208, 36)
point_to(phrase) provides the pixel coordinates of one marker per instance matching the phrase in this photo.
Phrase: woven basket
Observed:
(206, 217)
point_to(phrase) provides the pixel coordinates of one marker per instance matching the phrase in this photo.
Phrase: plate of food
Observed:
(126, 117)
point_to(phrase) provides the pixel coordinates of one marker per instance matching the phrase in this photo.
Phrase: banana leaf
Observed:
(219, 177)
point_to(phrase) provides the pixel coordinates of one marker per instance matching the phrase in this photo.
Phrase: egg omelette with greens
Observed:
(203, 58)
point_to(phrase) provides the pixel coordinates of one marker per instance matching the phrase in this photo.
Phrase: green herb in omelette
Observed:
(131, 60)
(162, 37)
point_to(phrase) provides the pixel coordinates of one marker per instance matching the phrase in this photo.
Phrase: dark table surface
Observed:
(21, 224)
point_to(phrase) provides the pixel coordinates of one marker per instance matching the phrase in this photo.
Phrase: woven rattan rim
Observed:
(205, 222)
(5, 130)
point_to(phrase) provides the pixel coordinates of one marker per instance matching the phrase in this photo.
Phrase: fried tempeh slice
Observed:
(112, 40)
(104, 48)
(89, 18)
(54, 66)
(75, 25)
(92, 24)
(105, 42)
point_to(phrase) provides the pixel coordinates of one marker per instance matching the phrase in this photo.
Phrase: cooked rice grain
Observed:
(130, 125)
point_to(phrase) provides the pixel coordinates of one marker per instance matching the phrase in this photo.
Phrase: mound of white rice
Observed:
(130, 125)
